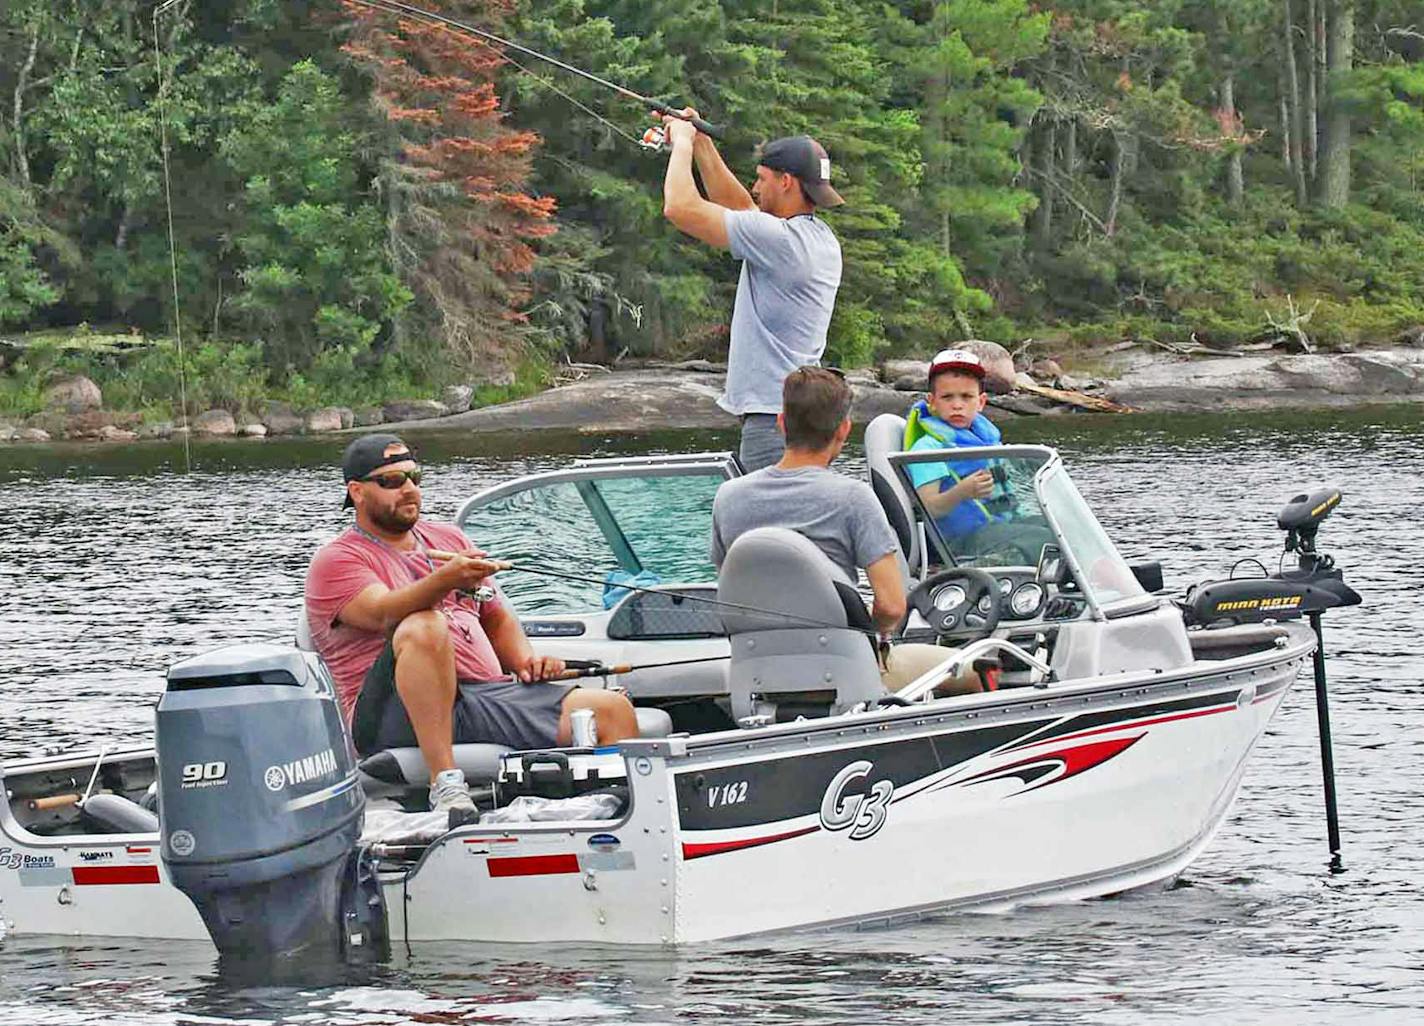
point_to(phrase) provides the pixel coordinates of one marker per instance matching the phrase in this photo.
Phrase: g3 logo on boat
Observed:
(863, 814)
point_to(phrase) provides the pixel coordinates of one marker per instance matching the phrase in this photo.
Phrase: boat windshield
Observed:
(1032, 503)
(645, 526)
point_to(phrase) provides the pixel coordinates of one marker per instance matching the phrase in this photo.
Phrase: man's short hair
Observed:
(814, 402)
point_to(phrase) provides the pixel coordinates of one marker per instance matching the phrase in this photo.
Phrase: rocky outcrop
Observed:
(73, 394)
(1177, 383)
(253, 431)
(367, 416)
(414, 409)
(281, 419)
(324, 421)
(218, 423)
(457, 398)
(999, 370)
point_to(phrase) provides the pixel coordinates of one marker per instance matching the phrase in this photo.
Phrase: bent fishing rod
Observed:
(677, 598)
(434, 18)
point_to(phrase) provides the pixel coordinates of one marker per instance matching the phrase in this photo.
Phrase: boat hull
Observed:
(989, 801)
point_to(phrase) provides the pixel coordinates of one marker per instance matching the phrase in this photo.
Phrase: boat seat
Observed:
(115, 814)
(802, 642)
(396, 770)
(885, 435)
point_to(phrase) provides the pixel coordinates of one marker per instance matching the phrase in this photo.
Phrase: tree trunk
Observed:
(1044, 155)
(1297, 165)
(1235, 180)
(1310, 141)
(1119, 162)
(1070, 151)
(1333, 185)
(22, 82)
(1284, 115)
(1317, 32)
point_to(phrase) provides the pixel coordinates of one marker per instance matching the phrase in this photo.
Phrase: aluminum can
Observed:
(585, 732)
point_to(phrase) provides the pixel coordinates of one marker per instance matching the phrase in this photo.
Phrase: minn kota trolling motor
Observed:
(1314, 586)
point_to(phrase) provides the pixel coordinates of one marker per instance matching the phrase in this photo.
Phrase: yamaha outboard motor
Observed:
(261, 808)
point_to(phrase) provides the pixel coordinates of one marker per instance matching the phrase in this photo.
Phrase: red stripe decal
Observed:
(133, 850)
(533, 865)
(696, 851)
(1126, 725)
(1075, 760)
(84, 875)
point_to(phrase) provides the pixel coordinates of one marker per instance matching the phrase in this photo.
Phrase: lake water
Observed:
(114, 563)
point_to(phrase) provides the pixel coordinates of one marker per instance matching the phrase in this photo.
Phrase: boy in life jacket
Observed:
(959, 494)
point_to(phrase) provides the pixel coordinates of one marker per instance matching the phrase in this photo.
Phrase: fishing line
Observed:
(172, 243)
(677, 598)
(433, 17)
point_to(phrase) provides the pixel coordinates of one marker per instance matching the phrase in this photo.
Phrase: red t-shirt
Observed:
(348, 565)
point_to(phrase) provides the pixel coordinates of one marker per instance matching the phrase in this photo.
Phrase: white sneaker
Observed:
(449, 792)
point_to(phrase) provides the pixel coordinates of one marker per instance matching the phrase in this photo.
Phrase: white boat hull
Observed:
(988, 801)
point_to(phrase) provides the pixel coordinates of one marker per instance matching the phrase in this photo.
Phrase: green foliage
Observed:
(314, 271)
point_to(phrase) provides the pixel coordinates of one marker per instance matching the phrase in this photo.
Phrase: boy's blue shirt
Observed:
(969, 516)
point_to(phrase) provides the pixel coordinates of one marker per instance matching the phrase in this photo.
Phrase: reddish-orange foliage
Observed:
(439, 87)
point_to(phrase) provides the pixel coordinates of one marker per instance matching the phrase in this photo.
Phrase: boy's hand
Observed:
(978, 485)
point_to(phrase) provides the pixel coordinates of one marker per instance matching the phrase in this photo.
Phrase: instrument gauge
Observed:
(1026, 599)
(1005, 586)
(949, 597)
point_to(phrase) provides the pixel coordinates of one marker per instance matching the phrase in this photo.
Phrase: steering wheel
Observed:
(964, 616)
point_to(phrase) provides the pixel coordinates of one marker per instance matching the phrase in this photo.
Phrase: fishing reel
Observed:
(654, 139)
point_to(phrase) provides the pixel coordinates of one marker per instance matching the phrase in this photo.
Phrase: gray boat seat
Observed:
(802, 642)
(395, 770)
(115, 814)
(885, 435)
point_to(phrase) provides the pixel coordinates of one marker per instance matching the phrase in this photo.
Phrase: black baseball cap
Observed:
(368, 453)
(804, 157)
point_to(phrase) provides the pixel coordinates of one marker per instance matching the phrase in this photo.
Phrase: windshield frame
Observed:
(584, 476)
(1050, 465)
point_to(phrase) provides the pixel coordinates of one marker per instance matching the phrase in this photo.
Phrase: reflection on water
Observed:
(114, 564)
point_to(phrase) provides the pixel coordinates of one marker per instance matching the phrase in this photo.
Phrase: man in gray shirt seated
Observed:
(839, 514)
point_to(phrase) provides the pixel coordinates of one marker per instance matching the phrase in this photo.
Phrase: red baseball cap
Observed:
(961, 360)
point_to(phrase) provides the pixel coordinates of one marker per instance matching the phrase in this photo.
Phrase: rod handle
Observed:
(705, 127)
(592, 671)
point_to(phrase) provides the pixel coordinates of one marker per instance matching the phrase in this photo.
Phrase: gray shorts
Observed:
(521, 716)
(762, 441)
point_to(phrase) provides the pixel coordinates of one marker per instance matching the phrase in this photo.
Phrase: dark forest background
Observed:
(365, 208)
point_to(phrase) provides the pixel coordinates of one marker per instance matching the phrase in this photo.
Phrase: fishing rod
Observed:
(435, 18)
(621, 668)
(676, 597)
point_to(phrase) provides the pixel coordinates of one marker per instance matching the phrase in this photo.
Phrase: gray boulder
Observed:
(280, 419)
(215, 422)
(113, 433)
(324, 420)
(73, 394)
(894, 371)
(998, 364)
(162, 429)
(413, 409)
(32, 434)
(457, 397)
(7, 432)
(1046, 370)
(367, 416)
(348, 418)
(253, 431)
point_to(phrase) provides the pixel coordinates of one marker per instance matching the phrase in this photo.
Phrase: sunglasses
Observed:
(394, 479)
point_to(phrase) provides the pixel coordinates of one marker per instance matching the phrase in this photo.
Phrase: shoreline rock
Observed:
(684, 397)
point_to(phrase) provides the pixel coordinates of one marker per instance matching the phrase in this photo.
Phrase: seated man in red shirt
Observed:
(385, 614)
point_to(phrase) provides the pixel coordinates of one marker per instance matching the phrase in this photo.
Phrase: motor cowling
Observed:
(259, 802)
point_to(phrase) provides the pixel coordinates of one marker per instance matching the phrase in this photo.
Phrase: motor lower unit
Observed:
(261, 807)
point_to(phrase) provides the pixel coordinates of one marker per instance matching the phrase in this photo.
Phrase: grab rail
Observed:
(953, 666)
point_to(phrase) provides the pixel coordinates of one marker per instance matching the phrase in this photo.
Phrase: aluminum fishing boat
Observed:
(777, 786)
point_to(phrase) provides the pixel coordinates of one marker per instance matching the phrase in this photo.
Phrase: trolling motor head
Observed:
(1315, 586)
(1301, 518)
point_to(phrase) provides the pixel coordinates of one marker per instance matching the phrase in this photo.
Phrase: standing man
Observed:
(791, 266)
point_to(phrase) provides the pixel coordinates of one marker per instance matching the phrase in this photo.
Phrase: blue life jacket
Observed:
(967, 517)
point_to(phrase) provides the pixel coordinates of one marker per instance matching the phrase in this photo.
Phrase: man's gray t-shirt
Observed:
(841, 515)
(791, 269)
